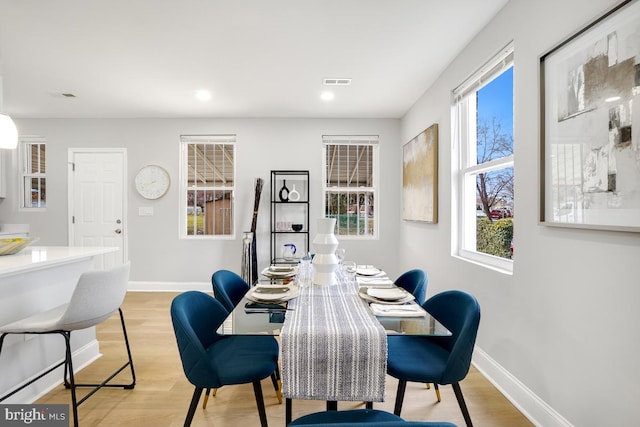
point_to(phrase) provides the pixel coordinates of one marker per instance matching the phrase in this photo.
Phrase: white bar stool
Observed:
(97, 296)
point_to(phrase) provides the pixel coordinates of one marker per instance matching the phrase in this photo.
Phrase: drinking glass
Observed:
(349, 270)
(340, 253)
(305, 272)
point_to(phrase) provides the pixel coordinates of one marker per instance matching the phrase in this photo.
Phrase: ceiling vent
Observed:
(336, 82)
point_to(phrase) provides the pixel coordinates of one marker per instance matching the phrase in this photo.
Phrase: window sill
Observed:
(500, 265)
(32, 209)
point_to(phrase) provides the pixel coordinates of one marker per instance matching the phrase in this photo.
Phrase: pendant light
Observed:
(8, 130)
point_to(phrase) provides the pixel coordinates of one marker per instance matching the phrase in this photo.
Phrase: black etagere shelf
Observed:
(289, 215)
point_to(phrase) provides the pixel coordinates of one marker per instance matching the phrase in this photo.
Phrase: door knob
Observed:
(118, 231)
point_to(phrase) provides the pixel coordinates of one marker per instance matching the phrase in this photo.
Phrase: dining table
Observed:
(332, 337)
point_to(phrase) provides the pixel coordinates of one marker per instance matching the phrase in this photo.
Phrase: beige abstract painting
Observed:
(420, 177)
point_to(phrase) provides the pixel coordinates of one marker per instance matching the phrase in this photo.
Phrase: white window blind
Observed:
(350, 174)
(33, 182)
(208, 185)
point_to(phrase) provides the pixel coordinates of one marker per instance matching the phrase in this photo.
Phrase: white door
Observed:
(97, 195)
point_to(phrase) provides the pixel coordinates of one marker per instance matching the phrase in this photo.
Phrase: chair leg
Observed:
(257, 389)
(72, 383)
(437, 389)
(276, 386)
(368, 405)
(206, 397)
(105, 383)
(402, 386)
(428, 386)
(68, 364)
(463, 406)
(126, 342)
(287, 411)
(279, 394)
(192, 407)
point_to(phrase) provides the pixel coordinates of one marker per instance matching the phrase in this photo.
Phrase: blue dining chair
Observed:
(438, 360)
(211, 360)
(229, 289)
(415, 282)
(360, 418)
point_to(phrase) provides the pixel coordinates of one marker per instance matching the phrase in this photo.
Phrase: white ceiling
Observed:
(258, 58)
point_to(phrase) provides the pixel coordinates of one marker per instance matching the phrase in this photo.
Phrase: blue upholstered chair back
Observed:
(228, 288)
(459, 312)
(415, 282)
(196, 316)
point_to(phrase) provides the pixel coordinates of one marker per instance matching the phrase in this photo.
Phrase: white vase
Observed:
(325, 261)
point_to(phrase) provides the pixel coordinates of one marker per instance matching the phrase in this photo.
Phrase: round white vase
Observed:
(325, 244)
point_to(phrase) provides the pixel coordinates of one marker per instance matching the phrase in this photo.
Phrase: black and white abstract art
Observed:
(591, 121)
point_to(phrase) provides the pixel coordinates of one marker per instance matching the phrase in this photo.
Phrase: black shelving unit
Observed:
(289, 207)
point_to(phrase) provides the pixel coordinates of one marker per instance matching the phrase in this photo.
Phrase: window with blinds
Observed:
(482, 115)
(33, 182)
(350, 175)
(208, 185)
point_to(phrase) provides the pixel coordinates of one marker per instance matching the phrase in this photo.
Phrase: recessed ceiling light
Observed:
(336, 82)
(203, 95)
(327, 96)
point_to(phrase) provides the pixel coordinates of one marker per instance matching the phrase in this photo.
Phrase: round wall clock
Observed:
(152, 182)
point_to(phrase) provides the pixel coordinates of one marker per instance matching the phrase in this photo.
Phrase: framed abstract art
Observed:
(590, 125)
(420, 177)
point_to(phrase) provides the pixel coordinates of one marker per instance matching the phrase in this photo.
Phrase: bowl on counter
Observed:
(296, 227)
(14, 245)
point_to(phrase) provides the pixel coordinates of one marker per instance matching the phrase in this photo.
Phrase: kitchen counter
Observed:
(34, 280)
(38, 257)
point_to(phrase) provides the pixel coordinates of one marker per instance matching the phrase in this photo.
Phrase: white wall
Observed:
(563, 329)
(156, 253)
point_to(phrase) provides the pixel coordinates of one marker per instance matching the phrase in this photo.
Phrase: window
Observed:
(483, 134)
(208, 185)
(350, 174)
(33, 182)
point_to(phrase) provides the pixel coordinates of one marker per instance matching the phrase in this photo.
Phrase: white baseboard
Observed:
(82, 357)
(527, 402)
(169, 286)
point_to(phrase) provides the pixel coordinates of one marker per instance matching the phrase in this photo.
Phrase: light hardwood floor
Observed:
(162, 394)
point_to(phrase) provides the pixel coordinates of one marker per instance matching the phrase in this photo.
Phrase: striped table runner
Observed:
(333, 348)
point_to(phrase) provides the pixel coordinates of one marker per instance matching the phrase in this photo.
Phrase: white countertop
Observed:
(37, 257)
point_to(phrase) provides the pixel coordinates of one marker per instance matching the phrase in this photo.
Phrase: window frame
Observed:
(464, 122)
(214, 139)
(372, 141)
(23, 158)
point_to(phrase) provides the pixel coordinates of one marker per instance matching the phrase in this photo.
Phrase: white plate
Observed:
(365, 296)
(281, 268)
(367, 270)
(271, 293)
(278, 274)
(388, 294)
